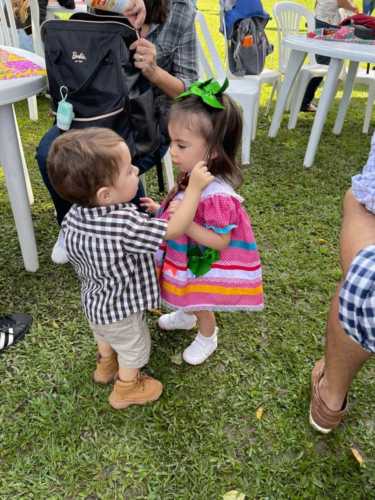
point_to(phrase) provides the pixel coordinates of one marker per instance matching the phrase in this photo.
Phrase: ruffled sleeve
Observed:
(218, 213)
(363, 184)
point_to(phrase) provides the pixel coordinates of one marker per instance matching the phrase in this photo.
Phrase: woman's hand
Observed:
(149, 204)
(144, 57)
(136, 13)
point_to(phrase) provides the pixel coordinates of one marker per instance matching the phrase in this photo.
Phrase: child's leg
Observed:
(207, 322)
(205, 343)
(104, 348)
(132, 342)
(106, 360)
(126, 374)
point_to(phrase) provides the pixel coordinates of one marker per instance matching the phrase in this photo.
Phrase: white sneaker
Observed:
(200, 349)
(177, 320)
(58, 254)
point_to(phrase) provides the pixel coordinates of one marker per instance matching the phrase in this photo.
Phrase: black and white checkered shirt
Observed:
(111, 249)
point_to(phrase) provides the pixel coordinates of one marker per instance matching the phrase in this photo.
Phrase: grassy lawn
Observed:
(60, 439)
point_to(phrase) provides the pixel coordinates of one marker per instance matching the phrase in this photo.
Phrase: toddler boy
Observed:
(111, 245)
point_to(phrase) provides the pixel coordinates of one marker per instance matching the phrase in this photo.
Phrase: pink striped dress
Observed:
(234, 282)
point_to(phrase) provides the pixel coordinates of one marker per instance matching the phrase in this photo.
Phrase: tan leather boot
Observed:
(139, 391)
(106, 369)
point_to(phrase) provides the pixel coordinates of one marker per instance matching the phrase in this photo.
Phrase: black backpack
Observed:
(88, 57)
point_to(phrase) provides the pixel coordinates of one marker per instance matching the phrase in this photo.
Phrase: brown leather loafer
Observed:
(322, 418)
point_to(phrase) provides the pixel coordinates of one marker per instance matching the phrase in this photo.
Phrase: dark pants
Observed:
(315, 82)
(62, 206)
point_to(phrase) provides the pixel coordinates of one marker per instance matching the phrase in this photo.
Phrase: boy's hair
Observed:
(221, 128)
(82, 161)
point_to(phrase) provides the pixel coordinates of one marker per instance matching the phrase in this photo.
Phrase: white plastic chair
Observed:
(288, 17)
(245, 92)
(54, 9)
(267, 77)
(9, 36)
(367, 79)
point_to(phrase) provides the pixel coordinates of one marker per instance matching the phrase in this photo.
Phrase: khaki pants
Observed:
(129, 338)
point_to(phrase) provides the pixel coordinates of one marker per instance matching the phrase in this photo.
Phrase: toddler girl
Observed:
(215, 265)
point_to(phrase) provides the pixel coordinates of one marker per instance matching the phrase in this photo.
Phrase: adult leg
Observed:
(343, 359)
(357, 230)
(315, 82)
(62, 206)
(310, 93)
(331, 378)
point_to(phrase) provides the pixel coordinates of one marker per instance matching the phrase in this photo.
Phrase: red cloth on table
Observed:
(360, 19)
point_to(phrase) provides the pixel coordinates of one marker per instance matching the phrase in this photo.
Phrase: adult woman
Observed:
(327, 15)
(166, 55)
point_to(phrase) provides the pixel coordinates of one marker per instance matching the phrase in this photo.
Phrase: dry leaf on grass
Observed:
(357, 456)
(259, 412)
(177, 358)
(234, 495)
(156, 312)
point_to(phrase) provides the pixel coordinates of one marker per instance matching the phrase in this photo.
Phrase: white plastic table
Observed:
(300, 46)
(12, 91)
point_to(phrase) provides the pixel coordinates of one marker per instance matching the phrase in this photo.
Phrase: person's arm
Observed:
(150, 205)
(183, 71)
(347, 5)
(185, 57)
(200, 177)
(207, 237)
(145, 60)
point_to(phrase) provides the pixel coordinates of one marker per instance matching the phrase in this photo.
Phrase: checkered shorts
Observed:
(357, 299)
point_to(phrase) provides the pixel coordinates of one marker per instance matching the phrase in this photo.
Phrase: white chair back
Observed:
(289, 16)
(212, 66)
(8, 30)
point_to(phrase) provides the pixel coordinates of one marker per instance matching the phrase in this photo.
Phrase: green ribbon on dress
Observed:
(207, 91)
(200, 262)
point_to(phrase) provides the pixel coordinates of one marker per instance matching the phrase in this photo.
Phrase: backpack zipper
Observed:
(92, 21)
(98, 117)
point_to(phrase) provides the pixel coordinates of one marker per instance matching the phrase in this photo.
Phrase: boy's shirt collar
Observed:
(100, 211)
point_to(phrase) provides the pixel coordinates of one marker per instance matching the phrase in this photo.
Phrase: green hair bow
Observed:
(207, 91)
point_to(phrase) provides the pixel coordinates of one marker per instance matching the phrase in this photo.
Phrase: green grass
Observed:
(60, 439)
